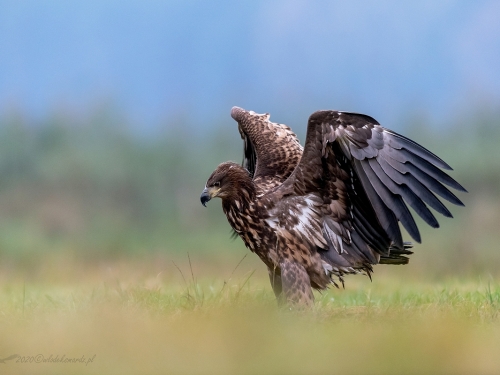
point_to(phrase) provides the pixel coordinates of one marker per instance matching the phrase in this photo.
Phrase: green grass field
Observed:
(96, 225)
(156, 317)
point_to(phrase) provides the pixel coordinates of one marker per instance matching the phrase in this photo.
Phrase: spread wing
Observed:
(356, 180)
(271, 150)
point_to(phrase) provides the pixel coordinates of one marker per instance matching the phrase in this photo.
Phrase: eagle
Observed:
(316, 213)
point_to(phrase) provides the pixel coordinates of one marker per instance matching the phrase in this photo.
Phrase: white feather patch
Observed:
(308, 226)
(327, 267)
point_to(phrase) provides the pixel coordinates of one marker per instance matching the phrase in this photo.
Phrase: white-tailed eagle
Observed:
(332, 208)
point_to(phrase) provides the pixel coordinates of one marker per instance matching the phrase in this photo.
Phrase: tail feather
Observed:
(397, 255)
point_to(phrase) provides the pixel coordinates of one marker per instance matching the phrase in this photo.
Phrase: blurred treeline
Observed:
(97, 187)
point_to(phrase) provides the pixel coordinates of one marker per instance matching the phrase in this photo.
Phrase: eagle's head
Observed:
(230, 182)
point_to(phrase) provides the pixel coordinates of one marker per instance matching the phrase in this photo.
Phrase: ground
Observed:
(157, 316)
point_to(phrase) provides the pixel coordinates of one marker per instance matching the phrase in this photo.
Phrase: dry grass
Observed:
(137, 319)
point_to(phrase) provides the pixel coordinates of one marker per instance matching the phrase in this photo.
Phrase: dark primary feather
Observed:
(394, 171)
(249, 154)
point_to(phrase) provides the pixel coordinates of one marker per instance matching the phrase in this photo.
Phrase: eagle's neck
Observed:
(241, 198)
(242, 212)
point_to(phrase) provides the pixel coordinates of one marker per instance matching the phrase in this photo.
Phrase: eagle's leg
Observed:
(296, 284)
(275, 278)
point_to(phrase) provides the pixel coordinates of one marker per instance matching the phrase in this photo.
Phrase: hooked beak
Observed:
(205, 197)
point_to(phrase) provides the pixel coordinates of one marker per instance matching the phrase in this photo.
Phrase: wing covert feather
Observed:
(271, 150)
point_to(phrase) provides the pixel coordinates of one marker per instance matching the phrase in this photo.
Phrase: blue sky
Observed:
(160, 60)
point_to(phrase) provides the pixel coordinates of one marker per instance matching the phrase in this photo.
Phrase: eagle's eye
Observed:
(217, 184)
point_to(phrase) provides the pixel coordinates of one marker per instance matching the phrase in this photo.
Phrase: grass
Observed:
(85, 207)
(159, 317)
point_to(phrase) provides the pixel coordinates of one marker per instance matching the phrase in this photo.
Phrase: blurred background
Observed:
(113, 114)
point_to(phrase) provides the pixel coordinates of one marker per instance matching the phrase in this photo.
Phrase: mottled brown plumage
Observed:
(332, 208)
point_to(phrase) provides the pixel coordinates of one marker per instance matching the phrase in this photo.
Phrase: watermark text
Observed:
(50, 358)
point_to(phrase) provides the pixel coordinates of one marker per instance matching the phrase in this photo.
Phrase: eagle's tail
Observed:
(397, 255)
